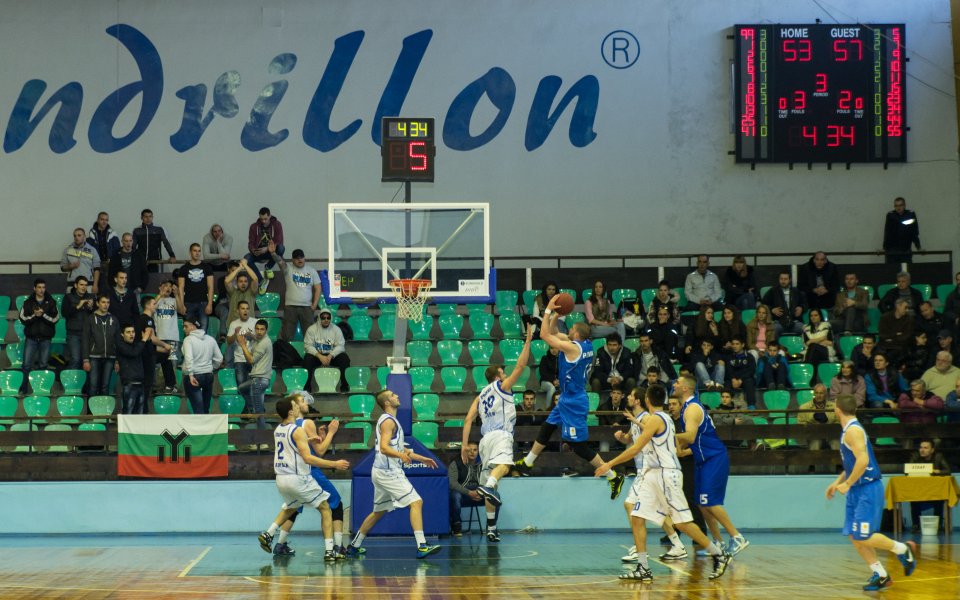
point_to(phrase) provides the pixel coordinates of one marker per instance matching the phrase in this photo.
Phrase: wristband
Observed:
(547, 311)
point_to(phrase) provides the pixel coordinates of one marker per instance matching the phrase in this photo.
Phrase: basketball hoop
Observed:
(411, 295)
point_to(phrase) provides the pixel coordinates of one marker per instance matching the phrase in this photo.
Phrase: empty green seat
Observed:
(632, 344)
(41, 381)
(298, 346)
(450, 325)
(426, 433)
(70, 406)
(361, 325)
(420, 330)
(593, 401)
(511, 325)
(102, 406)
(425, 405)
(800, 375)
(521, 383)
(529, 298)
(382, 373)
(367, 429)
(827, 371)
(792, 344)
(361, 404)
(268, 304)
(848, 343)
(449, 351)
(511, 349)
(480, 351)
(8, 408)
(36, 406)
(358, 378)
(539, 349)
(54, 427)
(10, 382)
(446, 308)
(72, 380)
(295, 378)
(575, 317)
(231, 404)
(481, 324)
(274, 327)
(327, 379)
(166, 405)
(25, 427)
(59, 332)
(453, 423)
(479, 376)
(885, 441)
(710, 399)
(506, 301)
(925, 289)
(453, 378)
(943, 291)
(387, 323)
(228, 380)
(422, 378)
(419, 352)
(15, 355)
(776, 399)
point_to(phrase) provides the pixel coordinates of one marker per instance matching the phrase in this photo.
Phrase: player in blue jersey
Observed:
(570, 413)
(697, 432)
(861, 483)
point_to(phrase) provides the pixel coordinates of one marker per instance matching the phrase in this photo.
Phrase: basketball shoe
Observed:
(266, 541)
(616, 484)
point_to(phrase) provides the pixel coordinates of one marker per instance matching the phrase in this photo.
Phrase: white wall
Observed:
(657, 178)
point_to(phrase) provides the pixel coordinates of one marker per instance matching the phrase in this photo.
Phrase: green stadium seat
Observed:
(575, 317)
(358, 378)
(521, 383)
(10, 382)
(231, 404)
(885, 441)
(481, 324)
(506, 301)
(327, 379)
(426, 433)
(419, 352)
(295, 378)
(883, 289)
(54, 427)
(298, 346)
(453, 378)
(848, 343)
(15, 355)
(387, 323)
(367, 432)
(511, 325)
(710, 399)
(511, 349)
(4, 307)
(91, 427)
(422, 378)
(776, 399)
(72, 381)
(446, 308)
(479, 376)
(571, 291)
(228, 380)
(792, 344)
(213, 326)
(166, 405)
(449, 351)
(18, 330)
(871, 293)
(361, 404)
(358, 309)
(361, 325)
(274, 327)
(382, 373)
(593, 399)
(480, 351)
(530, 300)
(420, 330)
(70, 406)
(539, 349)
(682, 295)
(8, 408)
(24, 427)
(925, 289)
(585, 294)
(41, 382)
(873, 316)
(800, 375)
(450, 325)
(477, 308)
(598, 343)
(20, 300)
(59, 332)
(453, 423)
(425, 406)
(632, 344)
(268, 304)
(620, 294)
(943, 291)
(646, 296)
(804, 396)
(102, 406)
(746, 315)
(826, 372)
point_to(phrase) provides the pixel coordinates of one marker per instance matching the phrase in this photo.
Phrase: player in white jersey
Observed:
(660, 493)
(636, 413)
(291, 463)
(391, 488)
(498, 416)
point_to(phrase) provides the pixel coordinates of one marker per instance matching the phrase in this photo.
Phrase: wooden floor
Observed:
(539, 565)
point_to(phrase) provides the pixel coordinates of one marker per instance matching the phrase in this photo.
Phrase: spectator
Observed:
(241, 327)
(130, 262)
(772, 369)
(39, 316)
(708, 366)
(615, 404)
(100, 334)
(848, 383)
(942, 377)
(301, 291)
(741, 372)
(664, 334)
(258, 353)
(862, 354)
(147, 240)
(80, 258)
(760, 332)
(787, 304)
(850, 307)
(702, 287)
(130, 350)
(951, 304)
(819, 280)
(613, 366)
(324, 346)
(900, 231)
(153, 346)
(648, 356)
(730, 327)
(652, 377)
(926, 452)
(664, 298)
(724, 414)
(240, 285)
(952, 404)
(549, 375)
(78, 305)
(896, 331)
(264, 230)
(540, 303)
(945, 344)
(195, 284)
(817, 340)
(165, 319)
(599, 311)
(919, 406)
(201, 357)
(739, 287)
(706, 328)
(525, 416)
(464, 481)
(819, 410)
(216, 247)
(929, 322)
(123, 302)
(884, 383)
(103, 238)
(917, 357)
(902, 291)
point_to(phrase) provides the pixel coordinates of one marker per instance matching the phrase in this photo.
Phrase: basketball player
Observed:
(659, 488)
(319, 443)
(637, 413)
(298, 488)
(712, 463)
(570, 413)
(391, 488)
(498, 416)
(860, 482)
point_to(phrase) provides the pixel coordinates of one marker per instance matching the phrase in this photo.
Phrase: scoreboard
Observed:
(407, 149)
(820, 93)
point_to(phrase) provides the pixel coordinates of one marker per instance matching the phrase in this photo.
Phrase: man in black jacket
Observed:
(741, 372)
(903, 291)
(134, 263)
(900, 231)
(78, 305)
(614, 366)
(39, 316)
(130, 359)
(787, 304)
(464, 480)
(648, 355)
(123, 302)
(147, 240)
(819, 280)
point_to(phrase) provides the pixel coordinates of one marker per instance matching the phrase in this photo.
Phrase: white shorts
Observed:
(391, 489)
(659, 494)
(300, 490)
(496, 448)
(634, 493)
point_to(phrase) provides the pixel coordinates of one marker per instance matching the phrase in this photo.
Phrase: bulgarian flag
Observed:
(172, 446)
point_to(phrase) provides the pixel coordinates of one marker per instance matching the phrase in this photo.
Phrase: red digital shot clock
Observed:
(407, 149)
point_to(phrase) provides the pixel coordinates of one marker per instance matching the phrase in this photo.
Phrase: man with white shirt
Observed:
(301, 294)
(201, 356)
(324, 346)
(241, 327)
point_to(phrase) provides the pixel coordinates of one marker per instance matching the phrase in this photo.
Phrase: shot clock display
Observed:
(407, 149)
(820, 93)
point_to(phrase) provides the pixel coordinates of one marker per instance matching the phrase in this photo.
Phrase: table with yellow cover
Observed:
(921, 489)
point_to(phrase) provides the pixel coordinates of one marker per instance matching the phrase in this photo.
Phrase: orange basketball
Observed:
(564, 304)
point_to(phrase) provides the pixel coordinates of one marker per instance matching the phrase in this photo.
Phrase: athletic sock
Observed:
(284, 534)
(712, 549)
(328, 544)
(899, 547)
(675, 540)
(421, 539)
(272, 530)
(530, 458)
(878, 569)
(491, 482)
(491, 520)
(610, 474)
(642, 559)
(358, 540)
(338, 539)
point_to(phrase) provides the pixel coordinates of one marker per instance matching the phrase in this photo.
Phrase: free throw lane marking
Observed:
(194, 562)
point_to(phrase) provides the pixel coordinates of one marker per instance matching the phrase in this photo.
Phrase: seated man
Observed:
(850, 307)
(942, 377)
(464, 480)
(614, 365)
(928, 321)
(787, 305)
(615, 404)
(741, 372)
(526, 418)
(926, 452)
(702, 287)
(653, 376)
(819, 280)
(918, 406)
(723, 415)
(773, 372)
(896, 331)
(902, 291)
(822, 412)
(648, 356)
(708, 366)
(324, 346)
(862, 354)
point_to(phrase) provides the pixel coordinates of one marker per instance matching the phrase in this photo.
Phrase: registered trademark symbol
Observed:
(620, 49)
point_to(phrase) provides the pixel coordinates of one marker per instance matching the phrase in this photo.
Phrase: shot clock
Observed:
(407, 149)
(820, 93)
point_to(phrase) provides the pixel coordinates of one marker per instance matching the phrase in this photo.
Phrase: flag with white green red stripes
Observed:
(172, 446)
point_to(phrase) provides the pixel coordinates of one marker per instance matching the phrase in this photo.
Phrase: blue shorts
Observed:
(864, 510)
(326, 485)
(570, 414)
(710, 480)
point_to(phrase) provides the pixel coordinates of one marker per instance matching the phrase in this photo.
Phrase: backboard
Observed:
(371, 244)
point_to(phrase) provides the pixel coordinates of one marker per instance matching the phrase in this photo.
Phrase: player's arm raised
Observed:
(387, 427)
(549, 334)
(303, 447)
(651, 427)
(467, 425)
(320, 442)
(514, 375)
(692, 417)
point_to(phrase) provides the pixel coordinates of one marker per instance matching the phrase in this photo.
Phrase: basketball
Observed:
(564, 303)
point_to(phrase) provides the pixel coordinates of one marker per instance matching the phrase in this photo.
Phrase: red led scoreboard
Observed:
(407, 149)
(820, 93)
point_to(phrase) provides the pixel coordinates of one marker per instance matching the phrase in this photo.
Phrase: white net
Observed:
(411, 297)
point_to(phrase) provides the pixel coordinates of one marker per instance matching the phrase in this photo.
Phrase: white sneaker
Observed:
(630, 557)
(737, 544)
(676, 553)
